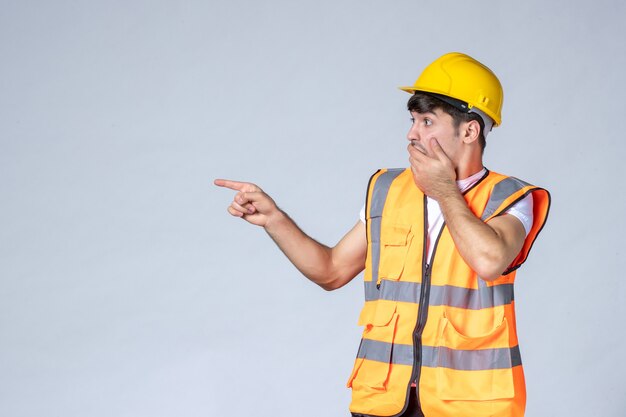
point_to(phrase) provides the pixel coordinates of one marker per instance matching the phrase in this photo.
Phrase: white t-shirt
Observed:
(522, 210)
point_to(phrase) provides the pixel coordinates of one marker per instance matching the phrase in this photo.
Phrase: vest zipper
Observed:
(422, 312)
(422, 315)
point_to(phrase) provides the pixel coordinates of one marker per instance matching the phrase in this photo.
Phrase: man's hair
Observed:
(423, 103)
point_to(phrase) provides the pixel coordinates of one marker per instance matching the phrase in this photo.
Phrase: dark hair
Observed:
(423, 103)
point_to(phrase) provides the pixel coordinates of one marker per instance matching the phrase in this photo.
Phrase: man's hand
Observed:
(433, 171)
(250, 203)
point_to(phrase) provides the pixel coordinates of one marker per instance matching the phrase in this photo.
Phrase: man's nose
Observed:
(413, 133)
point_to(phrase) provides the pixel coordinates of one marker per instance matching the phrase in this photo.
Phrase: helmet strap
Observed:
(465, 108)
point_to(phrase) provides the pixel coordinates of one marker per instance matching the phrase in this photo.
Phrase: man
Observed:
(440, 243)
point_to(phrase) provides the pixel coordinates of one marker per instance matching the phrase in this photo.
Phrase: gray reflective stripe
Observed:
(433, 357)
(381, 188)
(471, 299)
(467, 298)
(393, 290)
(471, 360)
(379, 195)
(375, 226)
(502, 190)
(386, 352)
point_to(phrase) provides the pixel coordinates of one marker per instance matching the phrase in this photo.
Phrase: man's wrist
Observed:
(275, 221)
(447, 190)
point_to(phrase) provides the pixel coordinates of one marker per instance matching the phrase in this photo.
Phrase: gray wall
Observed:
(127, 290)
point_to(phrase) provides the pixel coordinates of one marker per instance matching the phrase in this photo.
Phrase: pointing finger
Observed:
(236, 185)
(233, 185)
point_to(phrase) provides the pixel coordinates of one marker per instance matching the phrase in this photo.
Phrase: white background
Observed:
(127, 290)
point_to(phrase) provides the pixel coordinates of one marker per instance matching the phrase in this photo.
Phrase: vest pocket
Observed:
(373, 363)
(394, 247)
(474, 368)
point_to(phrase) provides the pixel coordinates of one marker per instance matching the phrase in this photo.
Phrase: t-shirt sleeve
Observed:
(362, 214)
(523, 210)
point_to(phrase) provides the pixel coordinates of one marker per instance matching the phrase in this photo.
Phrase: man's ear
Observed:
(471, 131)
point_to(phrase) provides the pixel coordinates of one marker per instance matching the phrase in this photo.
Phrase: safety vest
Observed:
(437, 324)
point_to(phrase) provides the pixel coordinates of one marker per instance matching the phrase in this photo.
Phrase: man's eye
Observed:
(428, 122)
(412, 119)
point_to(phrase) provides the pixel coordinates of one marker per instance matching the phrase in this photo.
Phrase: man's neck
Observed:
(469, 162)
(466, 170)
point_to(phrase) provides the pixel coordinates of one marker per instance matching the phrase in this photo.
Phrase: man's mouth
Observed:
(418, 146)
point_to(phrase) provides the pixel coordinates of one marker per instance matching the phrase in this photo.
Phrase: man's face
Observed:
(438, 125)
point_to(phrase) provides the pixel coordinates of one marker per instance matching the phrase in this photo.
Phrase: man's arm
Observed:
(488, 248)
(330, 268)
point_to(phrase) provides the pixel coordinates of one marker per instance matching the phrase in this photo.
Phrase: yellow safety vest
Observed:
(440, 324)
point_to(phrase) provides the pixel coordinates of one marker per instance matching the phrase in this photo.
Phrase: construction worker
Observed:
(440, 243)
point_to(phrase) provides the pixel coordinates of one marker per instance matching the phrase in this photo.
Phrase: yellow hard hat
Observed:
(461, 77)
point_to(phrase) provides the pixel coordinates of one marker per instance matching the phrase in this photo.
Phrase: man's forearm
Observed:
(311, 258)
(480, 245)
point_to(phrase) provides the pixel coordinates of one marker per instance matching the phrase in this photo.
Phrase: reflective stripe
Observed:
(386, 352)
(393, 291)
(501, 191)
(471, 360)
(379, 196)
(433, 357)
(466, 298)
(375, 226)
(471, 299)
(381, 188)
